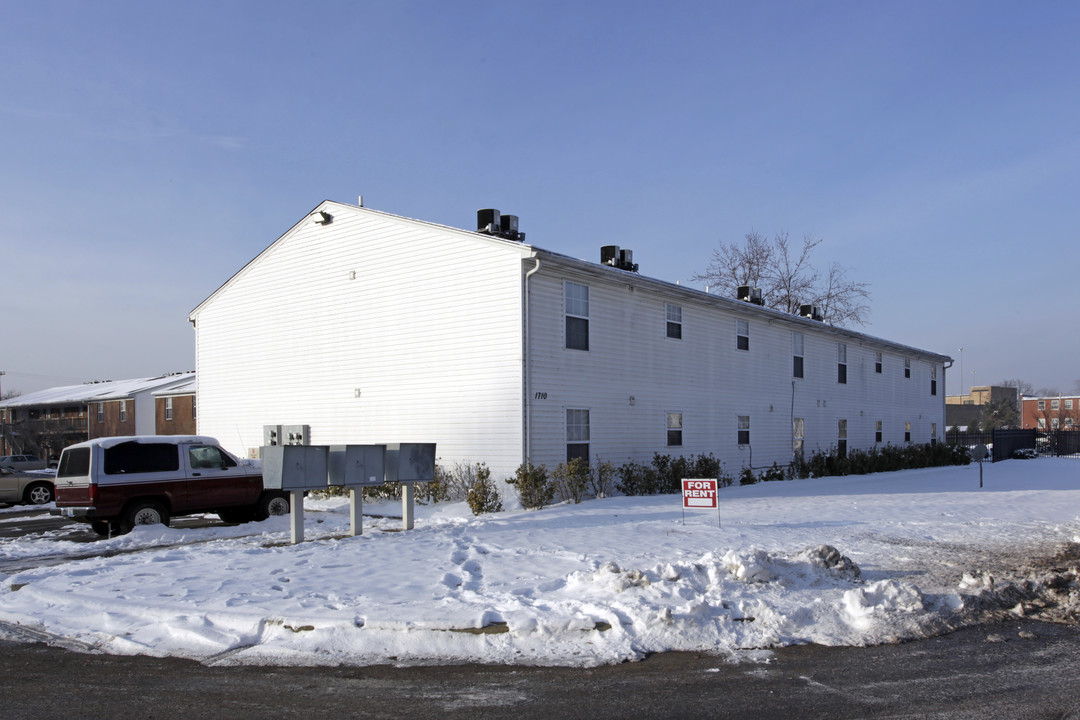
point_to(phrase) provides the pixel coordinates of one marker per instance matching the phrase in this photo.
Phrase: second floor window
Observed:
(797, 355)
(673, 313)
(841, 363)
(168, 409)
(123, 411)
(674, 429)
(742, 335)
(577, 316)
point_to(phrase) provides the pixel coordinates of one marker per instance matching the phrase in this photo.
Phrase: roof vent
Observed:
(617, 257)
(492, 222)
(750, 294)
(812, 312)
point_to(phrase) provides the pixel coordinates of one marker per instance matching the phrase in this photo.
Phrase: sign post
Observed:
(979, 453)
(700, 494)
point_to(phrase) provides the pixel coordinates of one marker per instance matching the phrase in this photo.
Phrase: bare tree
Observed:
(788, 278)
(1022, 386)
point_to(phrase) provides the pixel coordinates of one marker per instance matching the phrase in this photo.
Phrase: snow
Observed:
(838, 561)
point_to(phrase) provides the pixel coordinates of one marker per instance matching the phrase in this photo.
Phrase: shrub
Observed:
(747, 477)
(665, 474)
(571, 480)
(532, 486)
(483, 496)
(602, 478)
(636, 479)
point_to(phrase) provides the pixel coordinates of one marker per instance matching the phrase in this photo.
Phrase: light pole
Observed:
(962, 370)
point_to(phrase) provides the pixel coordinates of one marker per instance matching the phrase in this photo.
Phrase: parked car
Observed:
(119, 482)
(21, 462)
(25, 487)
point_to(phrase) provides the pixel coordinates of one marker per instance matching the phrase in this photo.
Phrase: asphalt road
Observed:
(1021, 670)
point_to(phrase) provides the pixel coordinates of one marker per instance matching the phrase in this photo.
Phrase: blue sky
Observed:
(150, 149)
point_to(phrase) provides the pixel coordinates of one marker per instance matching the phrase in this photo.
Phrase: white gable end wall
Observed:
(633, 376)
(370, 329)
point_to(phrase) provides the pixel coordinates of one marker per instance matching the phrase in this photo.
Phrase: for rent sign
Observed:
(699, 493)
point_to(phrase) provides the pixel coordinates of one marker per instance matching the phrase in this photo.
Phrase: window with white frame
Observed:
(877, 363)
(674, 429)
(907, 367)
(933, 379)
(841, 437)
(742, 335)
(123, 411)
(1055, 404)
(798, 435)
(797, 354)
(577, 434)
(1042, 404)
(1053, 423)
(744, 429)
(907, 432)
(933, 433)
(673, 313)
(577, 315)
(1042, 423)
(101, 412)
(841, 363)
(1068, 405)
(168, 408)
(877, 431)
(1068, 422)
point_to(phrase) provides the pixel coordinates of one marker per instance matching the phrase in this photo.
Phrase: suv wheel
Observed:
(38, 494)
(271, 504)
(144, 513)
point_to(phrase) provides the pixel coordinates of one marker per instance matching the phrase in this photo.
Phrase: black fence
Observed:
(1004, 443)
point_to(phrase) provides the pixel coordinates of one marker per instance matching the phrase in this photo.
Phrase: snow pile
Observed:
(855, 560)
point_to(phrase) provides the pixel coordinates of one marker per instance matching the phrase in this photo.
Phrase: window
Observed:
(877, 431)
(798, 434)
(674, 429)
(1042, 404)
(1068, 405)
(577, 316)
(577, 435)
(1053, 423)
(877, 363)
(208, 456)
(168, 408)
(933, 379)
(1042, 423)
(674, 321)
(1068, 422)
(841, 363)
(797, 354)
(841, 438)
(133, 457)
(933, 433)
(742, 335)
(744, 429)
(101, 412)
(907, 432)
(123, 411)
(1055, 405)
(192, 407)
(907, 367)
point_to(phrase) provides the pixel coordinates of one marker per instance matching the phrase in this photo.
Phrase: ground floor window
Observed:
(744, 429)
(577, 435)
(674, 429)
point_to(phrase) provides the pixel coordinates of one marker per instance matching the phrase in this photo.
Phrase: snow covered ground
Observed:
(838, 561)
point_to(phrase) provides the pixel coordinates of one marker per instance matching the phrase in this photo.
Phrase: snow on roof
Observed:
(97, 392)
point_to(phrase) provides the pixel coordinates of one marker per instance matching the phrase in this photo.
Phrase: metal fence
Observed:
(1004, 443)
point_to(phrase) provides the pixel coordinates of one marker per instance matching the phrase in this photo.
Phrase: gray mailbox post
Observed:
(409, 463)
(295, 468)
(357, 467)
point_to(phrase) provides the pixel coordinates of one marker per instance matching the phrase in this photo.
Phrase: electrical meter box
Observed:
(294, 467)
(410, 462)
(357, 465)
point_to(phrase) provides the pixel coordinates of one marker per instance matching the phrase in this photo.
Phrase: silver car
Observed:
(31, 488)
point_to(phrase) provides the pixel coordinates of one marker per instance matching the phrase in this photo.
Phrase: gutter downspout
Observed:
(526, 406)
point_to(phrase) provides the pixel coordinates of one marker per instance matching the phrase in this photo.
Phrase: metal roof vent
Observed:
(492, 222)
(750, 294)
(813, 312)
(618, 257)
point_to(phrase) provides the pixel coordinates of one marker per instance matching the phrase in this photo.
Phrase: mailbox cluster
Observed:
(299, 468)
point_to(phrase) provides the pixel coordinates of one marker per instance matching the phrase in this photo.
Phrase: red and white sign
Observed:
(699, 493)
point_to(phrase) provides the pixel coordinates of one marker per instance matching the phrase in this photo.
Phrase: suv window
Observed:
(208, 456)
(133, 457)
(74, 463)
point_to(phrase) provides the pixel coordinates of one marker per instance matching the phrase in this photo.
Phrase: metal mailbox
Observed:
(294, 467)
(356, 465)
(410, 462)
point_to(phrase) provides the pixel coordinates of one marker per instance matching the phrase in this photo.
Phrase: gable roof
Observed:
(99, 391)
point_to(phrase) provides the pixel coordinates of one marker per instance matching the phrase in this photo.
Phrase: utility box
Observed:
(295, 434)
(272, 435)
(356, 465)
(294, 467)
(410, 462)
